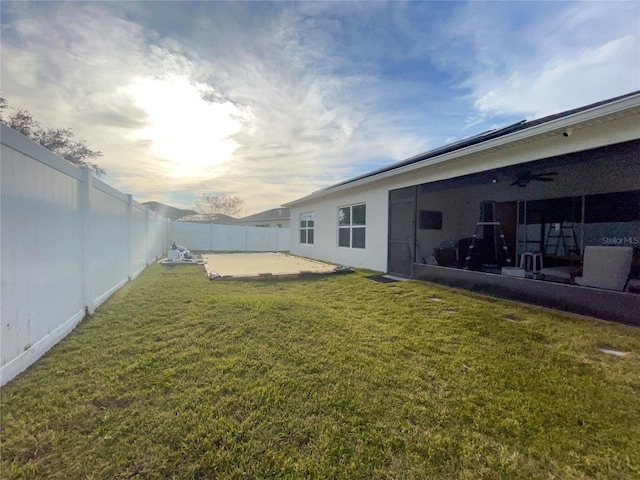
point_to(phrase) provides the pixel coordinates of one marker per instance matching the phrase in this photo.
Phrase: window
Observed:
(352, 226)
(306, 227)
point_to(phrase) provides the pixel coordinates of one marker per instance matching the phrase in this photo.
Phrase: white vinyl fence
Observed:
(67, 242)
(229, 238)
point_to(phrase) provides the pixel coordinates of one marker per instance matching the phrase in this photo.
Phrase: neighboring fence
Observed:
(67, 242)
(229, 238)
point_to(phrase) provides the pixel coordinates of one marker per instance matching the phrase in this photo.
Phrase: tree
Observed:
(212, 204)
(58, 140)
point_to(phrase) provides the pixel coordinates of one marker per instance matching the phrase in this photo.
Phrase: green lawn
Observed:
(334, 377)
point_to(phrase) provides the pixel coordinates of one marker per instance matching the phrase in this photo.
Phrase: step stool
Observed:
(531, 261)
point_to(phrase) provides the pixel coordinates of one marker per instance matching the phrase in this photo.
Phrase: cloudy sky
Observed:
(271, 101)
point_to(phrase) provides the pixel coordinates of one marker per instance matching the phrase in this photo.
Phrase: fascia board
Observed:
(561, 123)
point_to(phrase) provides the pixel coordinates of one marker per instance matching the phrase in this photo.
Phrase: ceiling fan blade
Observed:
(523, 178)
(544, 174)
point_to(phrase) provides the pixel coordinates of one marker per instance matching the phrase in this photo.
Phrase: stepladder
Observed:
(561, 240)
(490, 230)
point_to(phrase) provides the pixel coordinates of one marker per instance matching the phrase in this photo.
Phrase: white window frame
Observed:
(306, 227)
(349, 223)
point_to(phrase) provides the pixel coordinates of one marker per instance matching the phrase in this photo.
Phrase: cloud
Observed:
(564, 84)
(581, 53)
(184, 128)
(79, 65)
(219, 107)
(273, 100)
(307, 116)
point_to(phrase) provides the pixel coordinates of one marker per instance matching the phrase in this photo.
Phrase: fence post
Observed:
(167, 235)
(156, 243)
(129, 236)
(147, 235)
(87, 228)
(159, 236)
(154, 237)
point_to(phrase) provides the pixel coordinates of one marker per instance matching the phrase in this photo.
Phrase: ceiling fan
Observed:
(523, 178)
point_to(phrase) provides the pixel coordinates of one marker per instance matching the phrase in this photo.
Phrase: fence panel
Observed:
(284, 240)
(109, 240)
(42, 277)
(162, 237)
(228, 238)
(194, 236)
(67, 241)
(261, 239)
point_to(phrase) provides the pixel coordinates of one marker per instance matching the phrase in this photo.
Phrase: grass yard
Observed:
(335, 377)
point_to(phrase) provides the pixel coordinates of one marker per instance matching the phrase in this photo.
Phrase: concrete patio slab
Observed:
(252, 265)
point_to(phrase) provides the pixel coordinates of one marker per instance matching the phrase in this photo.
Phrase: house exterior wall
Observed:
(325, 246)
(513, 149)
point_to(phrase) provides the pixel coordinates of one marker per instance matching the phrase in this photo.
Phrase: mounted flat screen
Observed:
(430, 220)
(612, 207)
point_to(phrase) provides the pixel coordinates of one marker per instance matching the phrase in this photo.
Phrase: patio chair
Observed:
(606, 267)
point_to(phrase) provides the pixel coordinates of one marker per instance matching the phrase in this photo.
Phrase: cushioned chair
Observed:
(606, 267)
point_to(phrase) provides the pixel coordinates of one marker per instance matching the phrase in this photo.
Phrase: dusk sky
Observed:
(271, 101)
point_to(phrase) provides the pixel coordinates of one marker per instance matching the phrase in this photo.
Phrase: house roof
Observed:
(273, 214)
(485, 140)
(168, 211)
(220, 218)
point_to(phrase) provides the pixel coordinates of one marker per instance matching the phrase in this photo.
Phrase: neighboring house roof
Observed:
(219, 218)
(513, 133)
(168, 211)
(269, 215)
(273, 214)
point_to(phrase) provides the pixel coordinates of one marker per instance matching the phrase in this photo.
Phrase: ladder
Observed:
(487, 219)
(561, 236)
